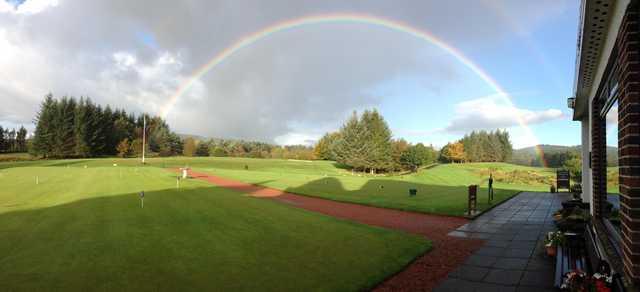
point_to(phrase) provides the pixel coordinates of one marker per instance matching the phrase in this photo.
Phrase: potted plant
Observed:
(574, 220)
(552, 241)
(557, 215)
(575, 281)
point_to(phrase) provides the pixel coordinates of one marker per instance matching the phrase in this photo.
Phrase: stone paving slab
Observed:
(513, 257)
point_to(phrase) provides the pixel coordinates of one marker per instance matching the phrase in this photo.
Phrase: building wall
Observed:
(586, 171)
(628, 44)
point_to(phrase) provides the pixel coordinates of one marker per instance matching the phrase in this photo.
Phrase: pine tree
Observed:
(44, 133)
(21, 139)
(351, 149)
(378, 136)
(64, 123)
(2, 140)
(202, 149)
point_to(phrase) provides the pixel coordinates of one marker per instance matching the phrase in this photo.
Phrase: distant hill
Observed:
(195, 137)
(528, 155)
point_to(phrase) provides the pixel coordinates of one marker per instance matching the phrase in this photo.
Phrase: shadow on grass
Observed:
(394, 194)
(195, 239)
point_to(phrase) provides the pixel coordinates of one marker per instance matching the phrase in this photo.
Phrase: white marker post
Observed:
(142, 199)
(144, 134)
(37, 181)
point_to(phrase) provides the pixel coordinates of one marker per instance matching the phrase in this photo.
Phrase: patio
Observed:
(513, 256)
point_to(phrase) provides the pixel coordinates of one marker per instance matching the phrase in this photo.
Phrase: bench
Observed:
(595, 256)
(570, 256)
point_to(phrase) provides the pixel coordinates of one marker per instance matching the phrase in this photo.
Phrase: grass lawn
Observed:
(82, 228)
(441, 189)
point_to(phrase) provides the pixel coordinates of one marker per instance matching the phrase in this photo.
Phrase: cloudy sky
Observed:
(294, 85)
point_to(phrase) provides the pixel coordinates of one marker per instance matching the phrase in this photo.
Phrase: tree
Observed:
(351, 149)
(44, 133)
(453, 152)
(398, 148)
(2, 140)
(378, 137)
(21, 139)
(412, 158)
(123, 148)
(203, 149)
(64, 138)
(189, 147)
(67, 127)
(220, 152)
(136, 147)
(324, 149)
(574, 165)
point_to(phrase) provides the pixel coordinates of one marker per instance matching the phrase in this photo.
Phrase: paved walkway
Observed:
(513, 257)
(423, 274)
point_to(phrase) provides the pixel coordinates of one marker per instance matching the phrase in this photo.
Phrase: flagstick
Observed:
(144, 134)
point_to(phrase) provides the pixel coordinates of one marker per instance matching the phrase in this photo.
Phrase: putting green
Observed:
(81, 227)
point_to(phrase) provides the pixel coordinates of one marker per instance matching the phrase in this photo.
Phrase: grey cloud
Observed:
(307, 79)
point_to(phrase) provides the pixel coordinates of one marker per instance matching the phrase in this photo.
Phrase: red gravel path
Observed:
(424, 273)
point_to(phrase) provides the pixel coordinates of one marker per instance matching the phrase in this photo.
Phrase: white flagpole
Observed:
(144, 131)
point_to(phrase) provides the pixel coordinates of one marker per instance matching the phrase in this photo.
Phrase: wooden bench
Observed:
(570, 256)
(596, 258)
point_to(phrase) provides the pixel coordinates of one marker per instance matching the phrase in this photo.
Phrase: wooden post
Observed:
(473, 202)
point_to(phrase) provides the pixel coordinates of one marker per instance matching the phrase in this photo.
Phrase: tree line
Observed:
(365, 143)
(12, 141)
(479, 146)
(69, 127)
(241, 148)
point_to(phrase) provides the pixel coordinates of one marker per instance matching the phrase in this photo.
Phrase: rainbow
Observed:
(394, 25)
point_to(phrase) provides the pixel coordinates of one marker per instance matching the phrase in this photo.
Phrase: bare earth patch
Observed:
(421, 275)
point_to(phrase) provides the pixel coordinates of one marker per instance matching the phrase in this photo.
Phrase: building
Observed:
(607, 104)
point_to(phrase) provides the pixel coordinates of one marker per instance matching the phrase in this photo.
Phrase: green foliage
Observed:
(364, 143)
(12, 141)
(483, 146)
(417, 155)
(325, 149)
(219, 152)
(202, 149)
(124, 149)
(351, 149)
(43, 137)
(573, 163)
(21, 140)
(518, 176)
(69, 128)
(189, 147)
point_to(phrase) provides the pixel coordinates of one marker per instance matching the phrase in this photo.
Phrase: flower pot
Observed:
(551, 250)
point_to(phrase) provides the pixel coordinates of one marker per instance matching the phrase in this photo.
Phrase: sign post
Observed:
(142, 199)
(490, 194)
(473, 199)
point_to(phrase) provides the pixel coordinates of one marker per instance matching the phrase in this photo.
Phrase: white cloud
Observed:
(28, 7)
(297, 139)
(494, 112)
(294, 82)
